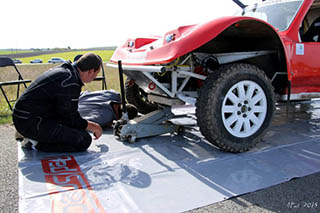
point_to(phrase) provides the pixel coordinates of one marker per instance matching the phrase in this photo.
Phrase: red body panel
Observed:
(303, 66)
(187, 38)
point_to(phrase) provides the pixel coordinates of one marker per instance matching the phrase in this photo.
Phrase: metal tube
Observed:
(174, 82)
(184, 83)
(202, 77)
(140, 68)
(159, 84)
(123, 100)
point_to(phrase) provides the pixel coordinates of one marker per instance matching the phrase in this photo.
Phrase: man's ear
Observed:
(91, 71)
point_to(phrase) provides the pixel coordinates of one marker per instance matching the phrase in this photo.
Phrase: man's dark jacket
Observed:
(54, 95)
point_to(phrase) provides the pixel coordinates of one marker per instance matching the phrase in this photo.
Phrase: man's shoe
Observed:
(19, 137)
(28, 143)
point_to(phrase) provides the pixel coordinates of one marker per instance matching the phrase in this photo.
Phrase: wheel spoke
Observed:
(250, 91)
(247, 127)
(241, 91)
(259, 109)
(229, 108)
(232, 97)
(254, 119)
(238, 126)
(257, 98)
(231, 120)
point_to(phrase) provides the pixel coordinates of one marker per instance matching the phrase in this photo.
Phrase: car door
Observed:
(306, 68)
(305, 60)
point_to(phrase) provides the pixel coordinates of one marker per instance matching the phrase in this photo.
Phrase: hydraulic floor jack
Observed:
(152, 124)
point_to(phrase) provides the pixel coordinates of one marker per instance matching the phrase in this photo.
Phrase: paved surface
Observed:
(298, 195)
(9, 170)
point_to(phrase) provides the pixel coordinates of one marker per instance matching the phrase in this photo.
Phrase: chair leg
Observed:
(18, 91)
(104, 84)
(5, 96)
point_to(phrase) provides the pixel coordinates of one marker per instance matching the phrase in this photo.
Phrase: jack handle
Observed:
(123, 95)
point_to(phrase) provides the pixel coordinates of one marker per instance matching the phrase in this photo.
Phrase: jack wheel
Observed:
(132, 139)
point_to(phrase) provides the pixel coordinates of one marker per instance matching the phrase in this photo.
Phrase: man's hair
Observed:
(89, 61)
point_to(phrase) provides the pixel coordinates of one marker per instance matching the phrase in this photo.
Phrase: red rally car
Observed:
(233, 69)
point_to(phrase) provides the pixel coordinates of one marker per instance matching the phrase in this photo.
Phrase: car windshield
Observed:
(278, 13)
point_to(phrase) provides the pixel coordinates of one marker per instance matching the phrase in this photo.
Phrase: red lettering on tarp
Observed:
(68, 187)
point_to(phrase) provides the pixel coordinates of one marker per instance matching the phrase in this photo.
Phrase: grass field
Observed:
(32, 71)
(104, 54)
(13, 51)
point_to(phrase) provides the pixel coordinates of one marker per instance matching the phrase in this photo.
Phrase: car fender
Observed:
(156, 50)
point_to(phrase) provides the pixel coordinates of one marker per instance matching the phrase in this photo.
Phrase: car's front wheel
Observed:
(235, 107)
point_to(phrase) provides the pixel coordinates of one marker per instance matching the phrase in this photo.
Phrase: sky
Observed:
(99, 23)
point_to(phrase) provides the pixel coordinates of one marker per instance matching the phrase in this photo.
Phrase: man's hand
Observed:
(95, 129)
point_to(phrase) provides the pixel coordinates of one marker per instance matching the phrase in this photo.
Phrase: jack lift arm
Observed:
(151, 124)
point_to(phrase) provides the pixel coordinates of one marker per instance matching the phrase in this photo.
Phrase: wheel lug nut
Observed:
(239, 113)
(239, 104)
(244, 115)
(245, 102)
(249, 109)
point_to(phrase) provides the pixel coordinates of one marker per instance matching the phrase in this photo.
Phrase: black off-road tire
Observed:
(137, 97)
(213, 99)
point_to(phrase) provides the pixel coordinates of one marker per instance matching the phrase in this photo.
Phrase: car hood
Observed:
(173, 44)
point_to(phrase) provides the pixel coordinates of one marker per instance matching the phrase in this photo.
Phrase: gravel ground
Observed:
(9, 170)
(297, 195)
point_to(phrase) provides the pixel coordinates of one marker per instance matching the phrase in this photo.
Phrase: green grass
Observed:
(13, 51)
(5, 113)
(104, 54)
(32, 71)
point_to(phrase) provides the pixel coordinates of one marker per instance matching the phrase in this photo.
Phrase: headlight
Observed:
(170, 37)
(130, 43)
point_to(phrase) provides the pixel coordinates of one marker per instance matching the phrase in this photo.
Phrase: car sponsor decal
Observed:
(299, 49)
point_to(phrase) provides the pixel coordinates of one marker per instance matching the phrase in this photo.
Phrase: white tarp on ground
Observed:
(168, 174)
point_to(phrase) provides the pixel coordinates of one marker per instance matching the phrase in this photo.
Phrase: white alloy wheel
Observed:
(235, 107)
(244, 109)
